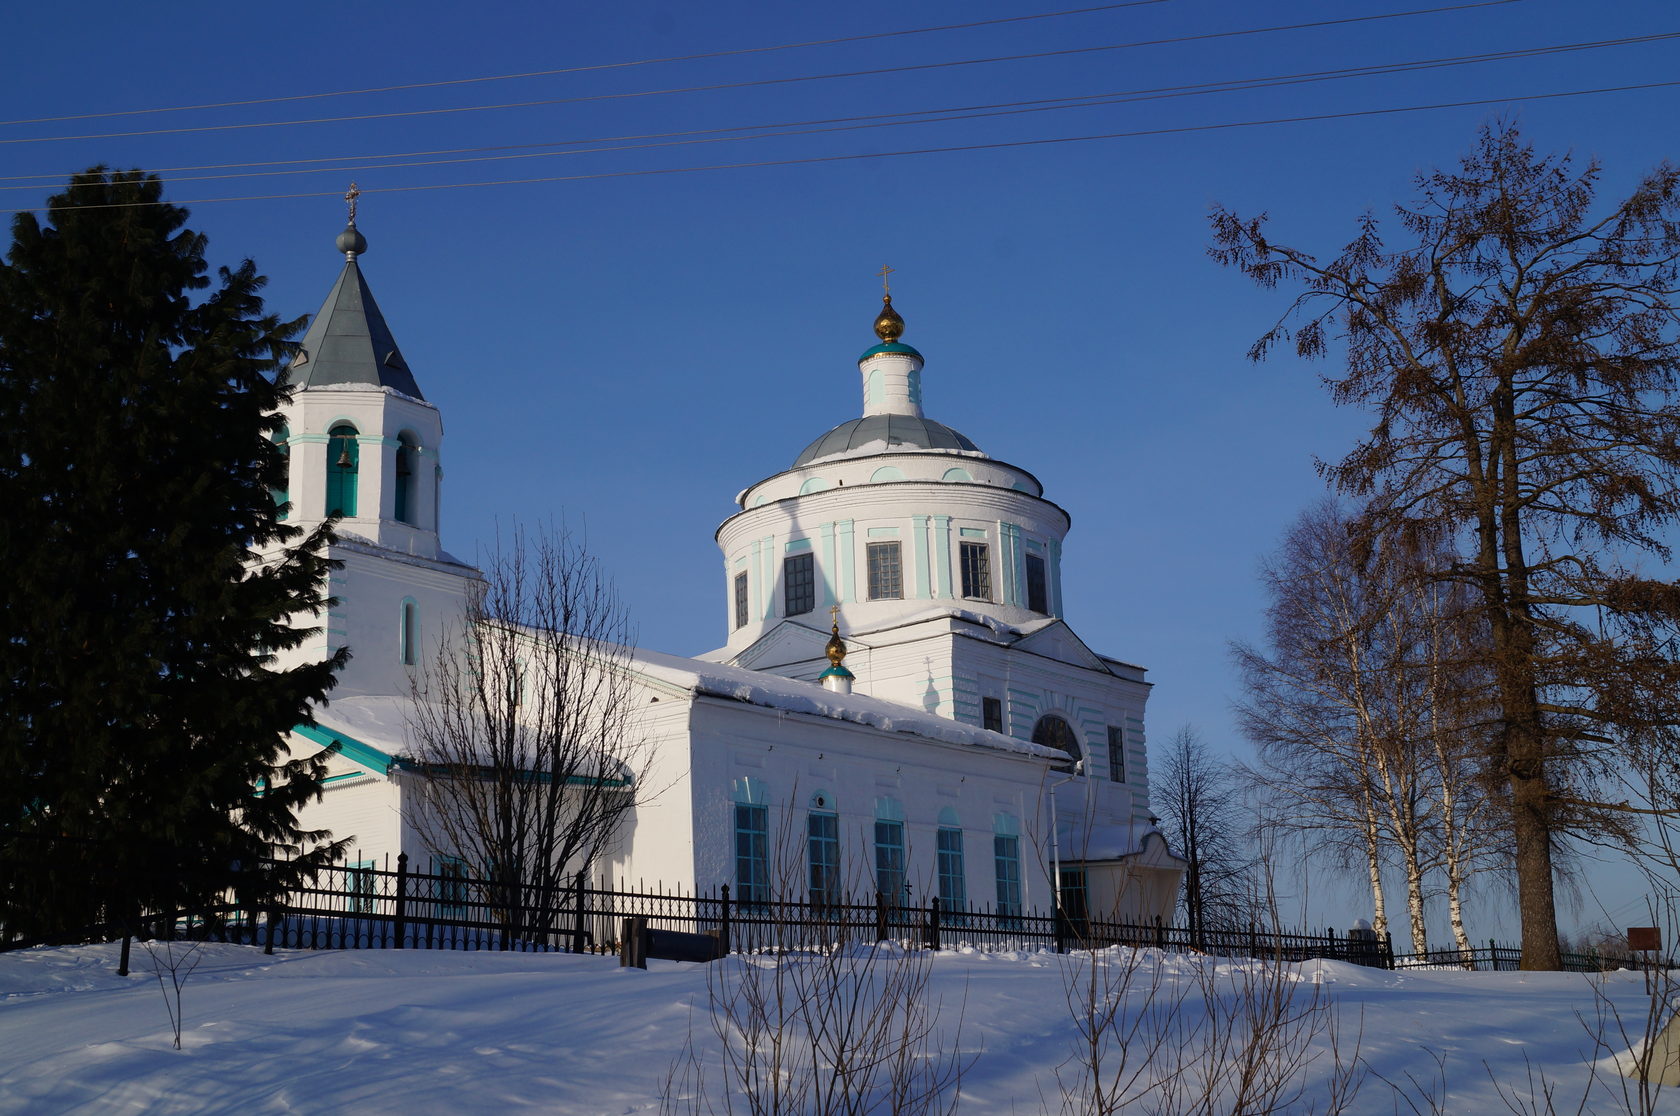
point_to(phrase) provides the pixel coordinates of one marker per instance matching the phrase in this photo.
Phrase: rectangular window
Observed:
(889, 861)
(953, 885)
(1006, 852)
(1117, 753)
(823, 851)
(886, 574)
(977, 570)
(991, 714)
(741, 600)
(1076, 898)
(360, 886)
(450, 888)
(799, 579)
(1038, 600)
(752, 853)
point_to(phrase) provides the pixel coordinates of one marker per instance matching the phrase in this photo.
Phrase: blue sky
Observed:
(626, 351)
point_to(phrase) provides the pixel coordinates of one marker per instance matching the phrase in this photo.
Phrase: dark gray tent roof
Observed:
(349, 342)
(895, 430)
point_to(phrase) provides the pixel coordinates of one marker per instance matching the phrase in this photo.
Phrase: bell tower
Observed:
(364, 444)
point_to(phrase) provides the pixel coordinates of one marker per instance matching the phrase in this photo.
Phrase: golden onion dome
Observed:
(889, 327)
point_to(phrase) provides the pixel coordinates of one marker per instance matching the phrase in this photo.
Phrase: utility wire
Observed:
(1180, 130)
(1066, 52)
(882, 120)
(585, 69)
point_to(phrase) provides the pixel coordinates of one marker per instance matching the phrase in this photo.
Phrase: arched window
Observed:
(889, 850)
(886, 473)
(1054, 732)
(408, 467)
(957, 474)
(752, 841)
(283, 492)
(953, 877)
(822, 830)
(408, 633)
(813, 484)
(343, 454)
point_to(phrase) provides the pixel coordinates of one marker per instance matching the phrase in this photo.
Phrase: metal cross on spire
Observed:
(885, 271)
(350, 197)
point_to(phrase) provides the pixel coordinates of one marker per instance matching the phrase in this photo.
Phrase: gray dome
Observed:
(906, 431)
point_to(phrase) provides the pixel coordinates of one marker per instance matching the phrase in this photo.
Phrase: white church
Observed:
(898, 695)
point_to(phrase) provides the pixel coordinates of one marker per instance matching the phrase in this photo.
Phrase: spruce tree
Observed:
(143, 720)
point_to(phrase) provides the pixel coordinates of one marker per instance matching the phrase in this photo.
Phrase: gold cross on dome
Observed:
(885, 271)
(834, 614)
(350, 197)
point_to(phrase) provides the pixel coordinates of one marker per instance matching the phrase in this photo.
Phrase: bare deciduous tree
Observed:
(525, 728)
(1202, 811)
(1520, 358)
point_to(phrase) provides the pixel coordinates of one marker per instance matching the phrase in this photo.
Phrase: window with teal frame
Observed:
(359, 896)
(953, 882)
(1006, 854)
(408, 634)
(450, 887)
(283, 494)
(408, 465)
(343, 454)
(889, 861)
(752, 853)
(822, 829)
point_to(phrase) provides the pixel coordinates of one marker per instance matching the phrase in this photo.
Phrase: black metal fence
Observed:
(367, 905)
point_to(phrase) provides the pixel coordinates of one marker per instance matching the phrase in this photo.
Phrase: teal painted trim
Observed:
(767, 578)
(874, 387)
(886, 474)
(972, 532)
(942, 555)
(882, 532)
(836, 672)
(919, 555)
(349, 747)
(347, 775)
(798, 546)
(915, 379)
(308, 439)
(755, 574)
(895, 347)
(826, 533)
(848, 561)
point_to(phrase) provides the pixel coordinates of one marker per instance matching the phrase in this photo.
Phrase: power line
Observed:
(881, 120)
(585, 69)
(1140, 133)
(721, 86)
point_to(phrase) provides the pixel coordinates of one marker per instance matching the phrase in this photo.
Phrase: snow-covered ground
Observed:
(421, 1032)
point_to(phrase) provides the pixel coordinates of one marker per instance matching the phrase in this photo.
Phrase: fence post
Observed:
(633, 943)
(1493, 956)
(1059, 929)
(1160, 934)
(1253, 941)
(402, 896)
(1388, 949)
(723, 921)
(577, 913)
(932, 936)
(273, 919)
(122, 962)
(880, 917)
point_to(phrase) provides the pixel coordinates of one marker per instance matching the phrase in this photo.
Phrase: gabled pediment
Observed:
(1055, 640)
(788, 643)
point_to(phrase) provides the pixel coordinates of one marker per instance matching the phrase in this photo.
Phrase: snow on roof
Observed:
(794, 696)
(378, 721)
(1080, 840)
